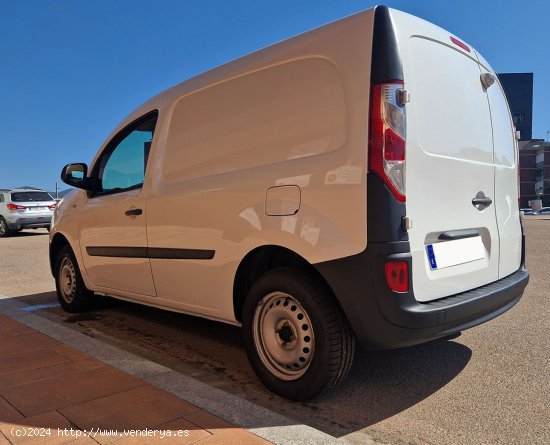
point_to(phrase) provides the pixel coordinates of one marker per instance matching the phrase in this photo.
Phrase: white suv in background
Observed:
(25, 209)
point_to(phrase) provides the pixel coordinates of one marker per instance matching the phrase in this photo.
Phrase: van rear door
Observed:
(450, 172)
(506, 175)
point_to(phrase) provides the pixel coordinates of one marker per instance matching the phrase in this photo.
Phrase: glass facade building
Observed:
(519, 92)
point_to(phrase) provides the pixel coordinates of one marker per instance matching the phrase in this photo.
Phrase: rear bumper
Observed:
(33, 222)
(382, 319)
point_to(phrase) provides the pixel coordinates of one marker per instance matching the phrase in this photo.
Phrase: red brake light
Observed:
(11, 206)
(397, 276)
(460, 44)
(53, 206)
(387, 142)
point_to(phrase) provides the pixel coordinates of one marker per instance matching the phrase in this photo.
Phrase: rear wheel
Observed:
(4, 229)
(71, 291)
(296, 337)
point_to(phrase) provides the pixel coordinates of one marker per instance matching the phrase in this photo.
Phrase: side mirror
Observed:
(75, 175)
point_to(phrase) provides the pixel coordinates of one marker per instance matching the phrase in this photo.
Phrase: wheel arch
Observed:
(260, 260)
(58, 242)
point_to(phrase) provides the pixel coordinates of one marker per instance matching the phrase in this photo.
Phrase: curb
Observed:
(256, 419)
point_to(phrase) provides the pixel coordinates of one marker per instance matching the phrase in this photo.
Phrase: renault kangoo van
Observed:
(358, 182)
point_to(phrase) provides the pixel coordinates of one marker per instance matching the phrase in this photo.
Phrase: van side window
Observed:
(122, 164)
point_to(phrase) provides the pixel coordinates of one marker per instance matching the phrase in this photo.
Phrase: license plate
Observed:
(37, 209)
(453, 253)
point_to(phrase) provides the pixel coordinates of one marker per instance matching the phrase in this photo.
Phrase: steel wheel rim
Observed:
(283, 336)
(67, 280)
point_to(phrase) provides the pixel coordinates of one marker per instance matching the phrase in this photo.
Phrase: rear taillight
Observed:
(53, 206)
(387, 138)
(397, 276)
(11, 206)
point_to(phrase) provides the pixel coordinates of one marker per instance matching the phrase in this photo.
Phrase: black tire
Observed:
(4, 229)
(71, 291)
(330, 356)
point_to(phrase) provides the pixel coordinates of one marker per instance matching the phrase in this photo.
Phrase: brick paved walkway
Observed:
(53, 394)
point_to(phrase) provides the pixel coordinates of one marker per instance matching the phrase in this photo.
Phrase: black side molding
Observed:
(180, 254)
(117, 252)
(150, 252)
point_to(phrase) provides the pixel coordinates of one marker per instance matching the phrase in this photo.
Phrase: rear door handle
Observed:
(485, 202)
(133, 212)
(458, 234)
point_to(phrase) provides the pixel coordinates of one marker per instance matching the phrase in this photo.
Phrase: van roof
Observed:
(257, 59)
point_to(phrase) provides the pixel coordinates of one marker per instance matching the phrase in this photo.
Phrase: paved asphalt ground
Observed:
(490, 385)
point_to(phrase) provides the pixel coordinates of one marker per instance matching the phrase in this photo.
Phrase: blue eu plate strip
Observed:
(431, 256)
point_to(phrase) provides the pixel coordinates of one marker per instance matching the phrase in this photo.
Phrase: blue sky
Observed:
(71, 70)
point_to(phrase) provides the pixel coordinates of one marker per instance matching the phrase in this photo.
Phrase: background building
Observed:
(534, 161)
(519, 92)
(534, 154)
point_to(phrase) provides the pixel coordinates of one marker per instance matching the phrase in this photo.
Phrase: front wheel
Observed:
(296, 336)
(71, 291)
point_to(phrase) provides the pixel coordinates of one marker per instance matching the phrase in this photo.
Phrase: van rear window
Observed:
(30, 196)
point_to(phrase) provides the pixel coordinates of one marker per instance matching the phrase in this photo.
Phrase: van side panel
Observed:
(283, 112)
(293, 114)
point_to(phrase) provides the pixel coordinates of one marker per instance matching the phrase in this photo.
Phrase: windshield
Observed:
(30, 196)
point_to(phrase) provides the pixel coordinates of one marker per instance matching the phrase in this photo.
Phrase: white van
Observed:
(355, 183)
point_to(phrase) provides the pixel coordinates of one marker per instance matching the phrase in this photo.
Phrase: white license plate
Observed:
(452, 253)
(37, 209)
